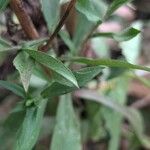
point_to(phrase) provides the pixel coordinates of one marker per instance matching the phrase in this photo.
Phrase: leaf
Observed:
(17, 112)
(81, 31)
(131, 114)
(125, 35)
(3, 4)
(134, 44)
(28, 133)
(54, 64)
(114, 6)
(92, 9)
(66, 134)
(95, 120)
(118, 93)
(10, 126)
(50, 10)
(56, 89)
(25, 66)
(83, 76)
(18, 90)
(109, 63)
(33, 43)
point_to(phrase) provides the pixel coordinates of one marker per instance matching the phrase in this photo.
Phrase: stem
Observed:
(24, 19)
(26, 23)
(59, 26)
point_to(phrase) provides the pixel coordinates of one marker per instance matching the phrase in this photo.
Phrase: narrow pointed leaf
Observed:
(131, 114)
(28, 133)
(16, 89)
(134, 44)
(25, 66)
(54, 64)
(66, 133)
(50, 10)
(93, 10)
(119, 95)
(10, 126)
(114, 6)
(110, 63)
(81, 31)
(83, 76)
(124, 35)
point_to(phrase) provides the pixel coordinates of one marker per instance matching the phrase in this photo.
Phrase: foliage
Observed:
(63, 83)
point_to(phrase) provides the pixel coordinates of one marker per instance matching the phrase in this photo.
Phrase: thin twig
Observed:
(24, 19)
(59, 26)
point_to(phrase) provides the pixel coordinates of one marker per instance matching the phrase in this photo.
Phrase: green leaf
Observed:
(54, 64)
(114, 6)
(95, 120)
(134, 44)
(18, 110)
(18, 90)
(92, 9)
(131, 114)
(50, 10)
(81, 31)
(83, 76)
(33, 43)
(109, 63)
(114, 126)
(67, 132)
(3, 4)
(28, 133)
(25, 66)
(125, 35)
(10, 126)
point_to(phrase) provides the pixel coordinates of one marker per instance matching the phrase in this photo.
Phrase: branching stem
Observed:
(24, 19)
(59, 26)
